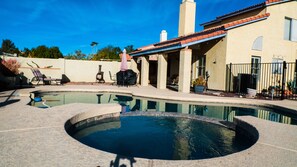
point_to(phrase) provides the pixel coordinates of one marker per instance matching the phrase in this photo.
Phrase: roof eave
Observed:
(249, 22)
(220, 18)
(157, 50)
(175, 47)
(203, 40)
(274, 3)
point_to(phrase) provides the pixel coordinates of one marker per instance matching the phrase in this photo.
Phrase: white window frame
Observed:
(256, 65)
(277, 65)
(201, 65)
(290, 29)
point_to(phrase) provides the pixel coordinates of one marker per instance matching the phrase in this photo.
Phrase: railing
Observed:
(273, 80)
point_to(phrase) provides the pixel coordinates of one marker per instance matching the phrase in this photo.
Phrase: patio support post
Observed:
(184, 82)
(195, 64)
(162, 71)
(144, 71)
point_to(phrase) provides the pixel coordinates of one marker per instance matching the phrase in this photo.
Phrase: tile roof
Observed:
(246, 20)
(244, 10)
(273, 1)
(208, 34)
(202, 35)
(183, 40)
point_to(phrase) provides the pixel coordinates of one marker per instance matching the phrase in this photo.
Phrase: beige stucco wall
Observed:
(75, 70)
(85, 71)
(240, 40)
(275, 44)
(216, 64)
(55, 72)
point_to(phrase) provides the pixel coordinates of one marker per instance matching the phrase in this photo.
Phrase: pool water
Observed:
(167, 138)
(130, 104)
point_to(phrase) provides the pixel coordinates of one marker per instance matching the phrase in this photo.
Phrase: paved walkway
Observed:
(31, 136)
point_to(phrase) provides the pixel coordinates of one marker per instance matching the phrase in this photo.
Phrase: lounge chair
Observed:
(38, 76)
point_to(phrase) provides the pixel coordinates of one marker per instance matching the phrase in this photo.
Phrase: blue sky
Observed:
(74, 24)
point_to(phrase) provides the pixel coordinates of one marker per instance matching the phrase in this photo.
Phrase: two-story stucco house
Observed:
(265, 32)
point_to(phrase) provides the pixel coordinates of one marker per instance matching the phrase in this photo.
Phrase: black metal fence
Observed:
(271, 80)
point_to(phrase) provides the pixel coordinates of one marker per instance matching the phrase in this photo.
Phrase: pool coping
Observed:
(22, 125)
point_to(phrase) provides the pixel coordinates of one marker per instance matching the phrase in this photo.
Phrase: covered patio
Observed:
(184, 57)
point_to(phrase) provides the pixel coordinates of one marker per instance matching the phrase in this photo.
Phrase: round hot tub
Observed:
(160, 136)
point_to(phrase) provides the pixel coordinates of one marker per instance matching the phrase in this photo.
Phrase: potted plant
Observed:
(199, 84)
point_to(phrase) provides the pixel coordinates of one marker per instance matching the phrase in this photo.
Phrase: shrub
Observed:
(12, 64)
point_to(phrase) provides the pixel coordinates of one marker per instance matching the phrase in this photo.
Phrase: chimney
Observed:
(163, 36)
(187, 12)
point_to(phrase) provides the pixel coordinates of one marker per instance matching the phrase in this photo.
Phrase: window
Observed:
(201, 65)
(290, 29)
(256, 65)
(277, 65)
(258, 44)
(255, 71)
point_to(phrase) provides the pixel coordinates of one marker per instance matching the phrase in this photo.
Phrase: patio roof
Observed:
(196, 38)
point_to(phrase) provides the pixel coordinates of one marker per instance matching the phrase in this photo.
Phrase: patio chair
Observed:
(38, 76)
(173, 80)
(113, 78)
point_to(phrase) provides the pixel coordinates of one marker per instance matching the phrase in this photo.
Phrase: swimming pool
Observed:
(160, 137)
(130, 103)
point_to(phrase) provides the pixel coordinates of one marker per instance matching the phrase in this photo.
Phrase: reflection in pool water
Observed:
(160, 137)
(130, 103)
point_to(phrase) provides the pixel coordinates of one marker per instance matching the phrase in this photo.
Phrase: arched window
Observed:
(258, 43)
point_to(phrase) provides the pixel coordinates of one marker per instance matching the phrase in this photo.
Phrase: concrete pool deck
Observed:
(32, 136)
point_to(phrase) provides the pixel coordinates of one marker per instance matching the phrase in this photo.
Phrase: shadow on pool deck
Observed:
(117, 163)
(6, 99)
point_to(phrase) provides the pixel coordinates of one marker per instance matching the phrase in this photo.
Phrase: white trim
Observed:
(204, 40)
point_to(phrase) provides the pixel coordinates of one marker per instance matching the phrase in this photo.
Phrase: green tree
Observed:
(43, 51)
(32, 53)
(26, 52)
(54, 52)
(109, 52)
(129, 49)
(77, 56)
(9, 47)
